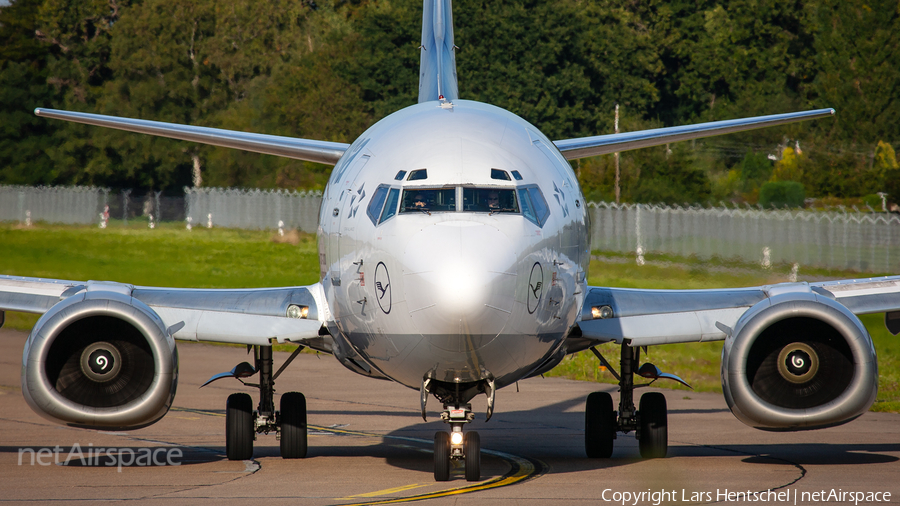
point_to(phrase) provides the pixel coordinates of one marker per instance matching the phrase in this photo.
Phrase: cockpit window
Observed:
(417, 175)
(490, 200)
(428, 200)
(534, 207)
(383, 204)
(499, 174)
(377, 202)
(390, 208)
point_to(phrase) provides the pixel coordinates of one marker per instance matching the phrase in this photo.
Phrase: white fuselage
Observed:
(454, 292)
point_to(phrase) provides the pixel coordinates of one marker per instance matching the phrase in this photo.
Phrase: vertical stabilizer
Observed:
(437, 67)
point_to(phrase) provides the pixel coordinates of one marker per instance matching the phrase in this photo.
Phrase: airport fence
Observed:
(839, 238)
(53, 204)
(253, 209)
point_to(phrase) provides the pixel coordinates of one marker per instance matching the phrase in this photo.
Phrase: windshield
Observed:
(490, 200)
(428, 200)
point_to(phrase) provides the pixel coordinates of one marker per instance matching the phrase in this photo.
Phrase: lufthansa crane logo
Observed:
(535, 287)
(383, 287)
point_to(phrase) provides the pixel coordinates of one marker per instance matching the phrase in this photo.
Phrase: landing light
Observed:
(295, 311)
(601, 312)
(456, 438)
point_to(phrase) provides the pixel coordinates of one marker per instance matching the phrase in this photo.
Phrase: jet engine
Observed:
(798, 361)
(100, 359)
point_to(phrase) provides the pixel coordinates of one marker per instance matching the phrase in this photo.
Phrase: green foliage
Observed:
(844, 173)
(782, 193)
(23, 84)
(672, 177)
(756, 168)
(330, 69)
(886, 165)
(790, 167)
(560, 65)
(873, 201)
(858, 66)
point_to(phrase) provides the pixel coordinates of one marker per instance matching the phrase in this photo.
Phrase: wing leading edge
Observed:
(650, 317)
(583, 147)
(288, 147)
(244, 316)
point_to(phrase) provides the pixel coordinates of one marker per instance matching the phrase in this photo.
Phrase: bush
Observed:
(756, 168)
(782, 193)
(873, 201)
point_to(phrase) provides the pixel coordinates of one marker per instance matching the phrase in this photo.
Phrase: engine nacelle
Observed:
(100, 360)
(799, 361)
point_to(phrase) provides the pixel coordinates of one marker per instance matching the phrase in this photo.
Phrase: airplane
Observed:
(453, 244)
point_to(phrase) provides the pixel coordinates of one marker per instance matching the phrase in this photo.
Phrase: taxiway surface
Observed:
(368, 444)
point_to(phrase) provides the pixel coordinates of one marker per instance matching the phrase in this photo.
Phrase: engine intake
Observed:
(100, 360)
(799, 361)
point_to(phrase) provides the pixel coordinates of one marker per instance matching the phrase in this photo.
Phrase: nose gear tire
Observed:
(473, 456)
(441, 456)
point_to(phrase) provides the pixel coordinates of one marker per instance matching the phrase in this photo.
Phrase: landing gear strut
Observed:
(243, 424)
(650, 422)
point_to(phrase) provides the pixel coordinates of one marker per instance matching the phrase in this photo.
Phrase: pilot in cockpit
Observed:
(493, 200)
(419, 200)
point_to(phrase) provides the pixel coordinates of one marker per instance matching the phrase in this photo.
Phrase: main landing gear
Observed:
(243, 424)
(650, 421)
(457, 446)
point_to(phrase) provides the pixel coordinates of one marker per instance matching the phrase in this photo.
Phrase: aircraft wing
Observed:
(648, 317)
(604, 144)
(242, 316)
(288, 147)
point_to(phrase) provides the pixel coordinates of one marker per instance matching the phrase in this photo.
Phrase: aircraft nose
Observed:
(460, 280)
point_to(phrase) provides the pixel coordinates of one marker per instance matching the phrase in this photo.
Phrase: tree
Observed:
(790, 167)
(781, 194)
(858, 68)
(670, 176)
(23, 86)
(560, 65)
(885, 163)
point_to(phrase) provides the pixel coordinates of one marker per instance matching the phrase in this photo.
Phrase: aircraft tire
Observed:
(599, 425)
(293, 426)
(239, 427)
(654, 439)
(473, 456)
(441, 456)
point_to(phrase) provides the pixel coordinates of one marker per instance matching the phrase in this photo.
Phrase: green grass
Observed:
(699, 363)
(168, 255)
(223, 258)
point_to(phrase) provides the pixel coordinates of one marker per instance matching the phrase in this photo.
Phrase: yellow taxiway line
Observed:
(522, 469)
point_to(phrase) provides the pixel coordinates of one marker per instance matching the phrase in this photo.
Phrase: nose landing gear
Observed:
(457, 446)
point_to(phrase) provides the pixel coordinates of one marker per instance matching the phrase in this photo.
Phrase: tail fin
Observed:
(437, 67)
